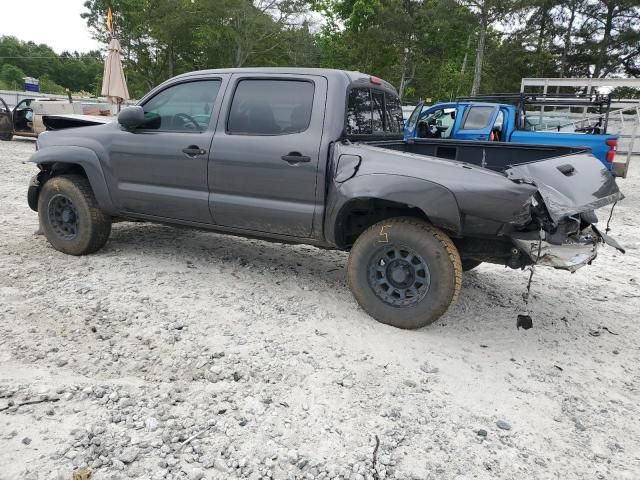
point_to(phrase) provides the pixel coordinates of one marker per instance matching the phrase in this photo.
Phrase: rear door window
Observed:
(478, 118)
(271, 107)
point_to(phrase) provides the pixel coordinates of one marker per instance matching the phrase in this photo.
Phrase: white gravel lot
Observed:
(184, 354)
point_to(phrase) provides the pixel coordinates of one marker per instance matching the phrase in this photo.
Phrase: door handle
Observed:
(295, 157)
(193, 151)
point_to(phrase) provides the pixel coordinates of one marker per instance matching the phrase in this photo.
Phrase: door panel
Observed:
(264, 163)
(160, 169)
(6, 122)
(410, 126)
(154, 176)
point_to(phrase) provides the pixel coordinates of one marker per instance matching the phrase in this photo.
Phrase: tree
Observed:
(12, 76)
(488, 12)
(611, 36)
(71, 70)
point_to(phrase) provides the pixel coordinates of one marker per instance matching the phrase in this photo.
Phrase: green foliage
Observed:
(426, 48)
(12, 76)
(70, 70)
(49, 86)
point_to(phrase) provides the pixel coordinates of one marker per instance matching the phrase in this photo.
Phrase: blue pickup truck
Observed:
(499, 122)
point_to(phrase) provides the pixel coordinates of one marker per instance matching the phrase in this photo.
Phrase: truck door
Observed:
(263, 169)
(6, 122)
(23, 116)
(160, 169)
(412, 122)
(477, 122)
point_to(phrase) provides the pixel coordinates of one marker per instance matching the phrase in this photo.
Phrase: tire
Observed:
(70, 216)
(404, 257)
(469, 264)
(7, 137)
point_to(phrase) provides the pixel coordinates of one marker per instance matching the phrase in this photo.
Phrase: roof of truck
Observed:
(467, 103)
(351, 76)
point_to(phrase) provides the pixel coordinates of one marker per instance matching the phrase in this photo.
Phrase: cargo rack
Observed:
(592, 100)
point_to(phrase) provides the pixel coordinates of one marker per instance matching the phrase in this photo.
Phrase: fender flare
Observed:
(83, 157)
(436, 202)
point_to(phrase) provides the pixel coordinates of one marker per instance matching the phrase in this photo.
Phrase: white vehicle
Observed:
(26, 118)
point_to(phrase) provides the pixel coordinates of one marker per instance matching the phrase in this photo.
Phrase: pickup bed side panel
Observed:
(85, 158)
(453, 195)
(435, 201)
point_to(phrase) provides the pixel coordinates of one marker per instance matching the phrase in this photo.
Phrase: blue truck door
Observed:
(412, 122)
(477, 122)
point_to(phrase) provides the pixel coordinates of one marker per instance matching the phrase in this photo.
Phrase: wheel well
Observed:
(49, 170)
(62, 168)
(359, 214)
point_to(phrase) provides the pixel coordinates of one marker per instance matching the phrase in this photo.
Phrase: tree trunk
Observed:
(405, 77)
(170, 61)
(567, 40)
(466, 56)
(482, 37)
(606, 39)
(463, 69)
(541, 39)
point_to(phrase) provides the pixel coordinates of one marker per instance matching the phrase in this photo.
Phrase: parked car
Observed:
(499, 122)
(25, 119)
(317, 157)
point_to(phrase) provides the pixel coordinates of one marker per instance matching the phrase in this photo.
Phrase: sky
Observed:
(56, 23)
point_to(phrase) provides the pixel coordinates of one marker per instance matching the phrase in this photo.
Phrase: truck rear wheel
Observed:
(404, 272)
(70, 216)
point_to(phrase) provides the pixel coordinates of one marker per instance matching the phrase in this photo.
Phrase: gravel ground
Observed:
(178, 354)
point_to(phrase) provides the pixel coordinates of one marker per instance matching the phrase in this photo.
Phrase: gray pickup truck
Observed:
(316, 156)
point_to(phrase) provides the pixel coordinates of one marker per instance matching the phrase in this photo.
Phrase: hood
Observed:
(60, 122)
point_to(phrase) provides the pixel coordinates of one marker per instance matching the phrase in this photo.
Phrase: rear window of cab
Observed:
(373, 112)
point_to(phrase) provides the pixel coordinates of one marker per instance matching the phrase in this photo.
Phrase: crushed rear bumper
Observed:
(575, 252)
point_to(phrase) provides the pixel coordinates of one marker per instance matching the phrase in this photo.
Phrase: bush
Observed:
(12, 77)
(49, 86)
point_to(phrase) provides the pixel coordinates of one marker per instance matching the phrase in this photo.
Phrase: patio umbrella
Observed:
(114, 86)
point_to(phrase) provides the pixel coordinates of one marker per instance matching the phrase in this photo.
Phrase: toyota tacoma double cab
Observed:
(317, 156)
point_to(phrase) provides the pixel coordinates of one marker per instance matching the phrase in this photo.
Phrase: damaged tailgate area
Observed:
(570, 188)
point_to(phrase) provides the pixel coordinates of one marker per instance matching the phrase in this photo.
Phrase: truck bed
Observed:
(496, 156)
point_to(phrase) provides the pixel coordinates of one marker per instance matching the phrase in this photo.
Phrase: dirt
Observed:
(175, 353)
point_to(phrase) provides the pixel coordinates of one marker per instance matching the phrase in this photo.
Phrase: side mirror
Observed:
(131, 117)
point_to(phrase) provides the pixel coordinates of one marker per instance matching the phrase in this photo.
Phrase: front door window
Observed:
(185, 107)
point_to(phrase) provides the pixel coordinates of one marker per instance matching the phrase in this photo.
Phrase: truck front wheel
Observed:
(404, 272)
(70, 216)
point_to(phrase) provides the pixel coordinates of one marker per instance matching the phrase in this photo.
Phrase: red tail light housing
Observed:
(375, 80)
(613, 146)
